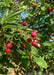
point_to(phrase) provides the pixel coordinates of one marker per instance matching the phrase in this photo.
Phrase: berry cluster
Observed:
(8, 45)
(33, 39)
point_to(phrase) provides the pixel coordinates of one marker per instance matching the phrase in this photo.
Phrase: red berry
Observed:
(33, 68)
(53, 7)
(33, 34)
(6, 42)
(8, 50)
(53, 34)
(23, 35)
(51, 60)
(34, 4)
(50, 10)
(34, 43)
(51, 65)
(30, 57)
(9, 45)
(29, 40)
(21, 71)
(34, 38)
(17, 30)
(24, 23)
(36, 31)
(23, 45)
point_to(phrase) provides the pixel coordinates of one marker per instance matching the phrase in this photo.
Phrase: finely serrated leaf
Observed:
(10, 26)
(8, 35)
(47, 44)
(34, 50)
(40, 61)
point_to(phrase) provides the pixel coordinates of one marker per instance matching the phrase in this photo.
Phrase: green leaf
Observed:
(43, 8)
(9, 65)
(28, 45)
(47, 44)
(1, 40)
(30, 14)
(8, 35)
(10, 25)
(38, 38)
(25, 62)
(40, 61)
(34, 50)
(3, 17)
(43, 1)
(1, 55)
(7, 16)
